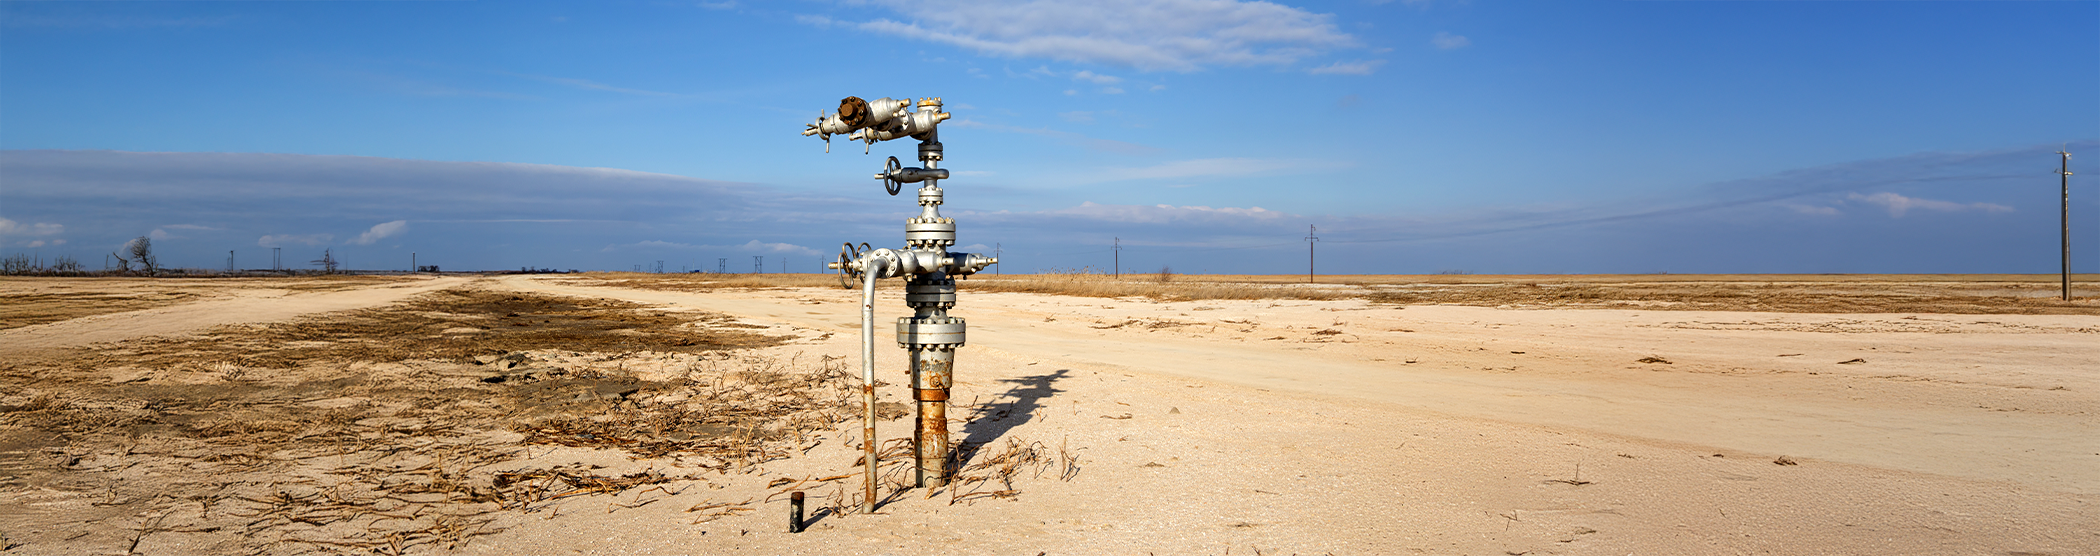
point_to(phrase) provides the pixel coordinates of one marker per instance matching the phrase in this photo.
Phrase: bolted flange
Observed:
(913, 332)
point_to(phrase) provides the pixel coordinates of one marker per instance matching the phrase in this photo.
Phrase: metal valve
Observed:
(894, 175)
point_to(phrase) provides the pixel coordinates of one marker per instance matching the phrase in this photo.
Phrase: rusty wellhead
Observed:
(929, 270)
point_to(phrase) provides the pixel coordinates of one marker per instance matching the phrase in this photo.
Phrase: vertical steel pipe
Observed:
(876, 267)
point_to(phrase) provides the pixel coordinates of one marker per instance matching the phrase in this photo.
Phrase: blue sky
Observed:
(1420, 136)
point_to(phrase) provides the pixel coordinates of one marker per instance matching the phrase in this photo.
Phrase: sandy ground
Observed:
(224, 306)
(1444, 429)
(1346, 427)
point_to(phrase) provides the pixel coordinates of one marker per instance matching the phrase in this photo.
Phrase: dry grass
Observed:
(407, 428)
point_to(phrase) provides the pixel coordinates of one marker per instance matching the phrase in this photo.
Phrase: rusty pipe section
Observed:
(932, 374)
(875, 267)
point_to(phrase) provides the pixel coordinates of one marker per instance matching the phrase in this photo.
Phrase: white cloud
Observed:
(1158, 88)
(380, 231)
(1814, 210)
(13, 228)
(160, 235)
(753, 246)
(1364, 67)
(1150, 35)
(1098, 79)
(1070, 92)
(1112, 90)
(1447, 41)
(1198, 168)
(280, 240)
(1898, 205)
(1162, 214)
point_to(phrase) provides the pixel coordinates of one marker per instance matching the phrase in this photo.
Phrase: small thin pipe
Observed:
(876, 267)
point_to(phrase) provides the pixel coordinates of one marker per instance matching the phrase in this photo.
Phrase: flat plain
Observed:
(1143, 414)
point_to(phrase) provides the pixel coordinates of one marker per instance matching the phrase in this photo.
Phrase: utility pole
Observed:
(758, 264)
(276, 258)
(997, 251)
(412, 262)
(2065, 173)
(1311, 235)
(1119, 257)
(722, 265)
(229, 261)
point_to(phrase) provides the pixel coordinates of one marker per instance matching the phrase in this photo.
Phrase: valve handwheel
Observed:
(889, 176)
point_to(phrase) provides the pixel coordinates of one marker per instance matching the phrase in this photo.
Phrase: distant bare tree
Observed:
(17, 264)
(65, 264)
(141, 251)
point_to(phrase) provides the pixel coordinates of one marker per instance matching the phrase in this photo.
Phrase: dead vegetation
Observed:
(1786, 297)
(410, 428)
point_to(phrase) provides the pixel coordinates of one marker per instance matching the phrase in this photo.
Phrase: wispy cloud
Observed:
(1365, 67)
(1149, 35)
(1084, 75)
(1163, 214)
(1093, 143)
(114, 21)
(281, 240)
(1815, 210)
(1899, 205)
(1200, 168)
(379, 232)
(13, 228)
(753, 246)
(589, 85)
(1447, 41)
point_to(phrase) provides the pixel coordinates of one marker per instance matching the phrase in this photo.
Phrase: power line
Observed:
(1312, 234)
(1119, 257)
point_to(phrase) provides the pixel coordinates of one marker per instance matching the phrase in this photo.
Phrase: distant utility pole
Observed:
(412, 262)
(758, 264)
(1311, 235)
(783, 265)
(229, 261)
(276, 258)
(1119, 257)
(997, 250)
(722, 265)
(659, 267)
(2065, 173)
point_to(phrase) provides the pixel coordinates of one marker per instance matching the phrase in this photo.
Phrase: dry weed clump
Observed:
(391, 430)
(448, 325)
